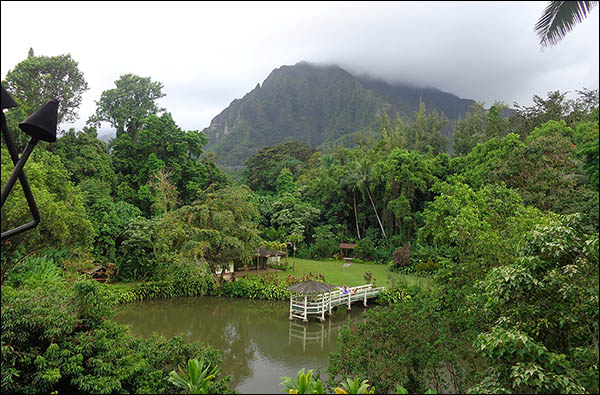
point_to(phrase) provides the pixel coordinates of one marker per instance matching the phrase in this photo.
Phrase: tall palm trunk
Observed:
(374, 209)
(356, 213)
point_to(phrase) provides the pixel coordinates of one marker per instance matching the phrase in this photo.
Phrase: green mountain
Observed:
(315, 104)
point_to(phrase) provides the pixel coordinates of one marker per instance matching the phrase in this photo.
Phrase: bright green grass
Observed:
(335, 273)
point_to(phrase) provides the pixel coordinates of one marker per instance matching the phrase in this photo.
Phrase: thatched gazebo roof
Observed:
(311, 287)
(95, 269)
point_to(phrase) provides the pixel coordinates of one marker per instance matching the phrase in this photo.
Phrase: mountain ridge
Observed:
(316, 104)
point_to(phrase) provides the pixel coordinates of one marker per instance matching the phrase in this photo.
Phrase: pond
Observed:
(258, 342)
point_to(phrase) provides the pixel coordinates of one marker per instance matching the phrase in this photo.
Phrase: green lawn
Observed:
(335, 273)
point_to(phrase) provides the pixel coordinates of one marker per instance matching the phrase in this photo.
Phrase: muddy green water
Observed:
(258, 342)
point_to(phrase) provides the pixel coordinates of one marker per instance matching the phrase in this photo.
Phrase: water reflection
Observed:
(315, 333)
(258, 342)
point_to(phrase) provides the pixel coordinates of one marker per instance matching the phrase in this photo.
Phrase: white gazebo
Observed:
(310, 297)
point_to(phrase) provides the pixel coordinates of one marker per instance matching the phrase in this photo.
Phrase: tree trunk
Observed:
(356, 214)
(374, 209)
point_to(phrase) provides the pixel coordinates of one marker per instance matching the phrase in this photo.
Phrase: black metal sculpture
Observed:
(41, 125)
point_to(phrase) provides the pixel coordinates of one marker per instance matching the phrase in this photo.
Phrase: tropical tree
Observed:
(38, 79)
(161, 144)
(223, 225)
(85, 157)
(263, 168)
(292, 215)
(126, 106)
(60, 203)
(425, 134)
(167, 193)
(559, 18)
(497, 125)
(470, 131)
(408, 177)
(362, 174)
(295, 238)
(541, 313)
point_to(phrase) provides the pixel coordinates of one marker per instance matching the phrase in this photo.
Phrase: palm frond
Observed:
(559, 18)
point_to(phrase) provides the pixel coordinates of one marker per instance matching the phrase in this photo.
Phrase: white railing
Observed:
(301, 307)
(354, 293)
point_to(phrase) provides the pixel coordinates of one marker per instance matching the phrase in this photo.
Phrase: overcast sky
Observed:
(207, 54)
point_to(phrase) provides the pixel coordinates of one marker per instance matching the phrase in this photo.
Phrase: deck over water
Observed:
(322, 304)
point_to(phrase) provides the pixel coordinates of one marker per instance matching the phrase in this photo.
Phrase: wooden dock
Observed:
(319, 304)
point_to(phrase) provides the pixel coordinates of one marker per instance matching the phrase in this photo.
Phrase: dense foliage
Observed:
(506, 223)
(268, 287)
(541, 313)
(57, 337)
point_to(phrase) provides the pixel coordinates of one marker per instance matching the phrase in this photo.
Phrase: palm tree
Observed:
(349, 181)
(362, 175)
(559, 18)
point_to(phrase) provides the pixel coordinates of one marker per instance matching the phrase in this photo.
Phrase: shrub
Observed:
(428, 266)
(401, 343)
(269, 287)
(325, 244)
(304, 384)
(197, 379)
(401, 257)
(199, 286)
(137, 258)
(365, 249)
(393, 295)
(36, 270)
(77, 261)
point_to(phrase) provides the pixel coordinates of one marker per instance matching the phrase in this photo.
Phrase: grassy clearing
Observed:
(336, 273)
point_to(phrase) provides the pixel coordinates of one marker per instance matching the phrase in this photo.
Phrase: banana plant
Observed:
(197, 379)
(304, 384)
(355, 386)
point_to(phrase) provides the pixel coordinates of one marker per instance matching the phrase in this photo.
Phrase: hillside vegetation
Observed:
(314, 105)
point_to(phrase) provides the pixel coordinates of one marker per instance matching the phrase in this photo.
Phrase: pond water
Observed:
(258, 342)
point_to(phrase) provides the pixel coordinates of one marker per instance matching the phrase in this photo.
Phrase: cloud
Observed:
(208, 54)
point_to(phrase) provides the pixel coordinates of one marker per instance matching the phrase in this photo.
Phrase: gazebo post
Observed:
(305, 312)
(323, 308)
(349, 302)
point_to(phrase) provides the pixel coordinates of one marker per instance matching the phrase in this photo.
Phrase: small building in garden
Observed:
(345, 251)
(227, 270)
(97, 273)
(265, 257)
